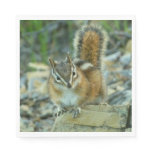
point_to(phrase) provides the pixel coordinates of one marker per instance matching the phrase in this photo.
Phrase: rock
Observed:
(46, 110)
(120, 98)
(23, 89)
(108, 129)
(113, 57)
(125, 60)
(128, 84)
(41, 87)
(33, 95)
(24, 107)
(43, 98)
(94, 118)
(38, 66)
(36, 97)
(23, 96)
(37, 74)
(117, 86)
(23, 81)
(124, 74)
(26, 125)
(38, 85)
(25, 111)
(69, 127)
(110, 91)
(128, 130)
(128, 47)
(44, 125)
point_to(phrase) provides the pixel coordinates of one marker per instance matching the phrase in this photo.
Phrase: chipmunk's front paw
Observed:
(60, 111)
(76, 112)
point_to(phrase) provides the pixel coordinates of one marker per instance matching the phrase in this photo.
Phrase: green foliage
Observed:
(44, 37)
(116, 25)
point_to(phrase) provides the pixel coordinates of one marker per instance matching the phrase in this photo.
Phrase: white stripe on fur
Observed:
(86, 66)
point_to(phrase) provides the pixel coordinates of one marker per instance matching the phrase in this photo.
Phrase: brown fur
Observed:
(95, 84)
(82, 88)
(54, 92)
(90, 47)
(89, 44)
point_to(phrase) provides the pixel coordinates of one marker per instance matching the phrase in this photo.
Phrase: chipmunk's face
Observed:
(64, 73)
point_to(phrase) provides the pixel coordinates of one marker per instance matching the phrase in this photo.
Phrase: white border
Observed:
(74, 134)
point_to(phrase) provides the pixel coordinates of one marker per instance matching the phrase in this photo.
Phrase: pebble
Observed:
(113, 57)
(120, 98)
(125, 59)
(23, 96)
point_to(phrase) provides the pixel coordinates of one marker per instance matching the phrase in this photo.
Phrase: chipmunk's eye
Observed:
(74, 73)
(58, 78)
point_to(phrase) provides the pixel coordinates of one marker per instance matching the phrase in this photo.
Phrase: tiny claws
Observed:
(55, 115)
(76, 112)
(60, 112)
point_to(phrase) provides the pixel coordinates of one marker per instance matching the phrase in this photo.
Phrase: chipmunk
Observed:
(74, 83)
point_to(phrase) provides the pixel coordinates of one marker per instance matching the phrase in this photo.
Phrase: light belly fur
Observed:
(69, 98)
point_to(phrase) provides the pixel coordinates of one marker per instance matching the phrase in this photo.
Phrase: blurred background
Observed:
(40, 39)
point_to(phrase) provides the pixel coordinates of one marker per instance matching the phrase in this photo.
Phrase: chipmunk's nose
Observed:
(69, 85)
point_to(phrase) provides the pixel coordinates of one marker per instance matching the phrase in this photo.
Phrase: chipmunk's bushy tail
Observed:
(89, 43)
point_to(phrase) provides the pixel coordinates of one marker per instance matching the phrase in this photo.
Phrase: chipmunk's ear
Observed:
(52, 63)
(68, 59)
